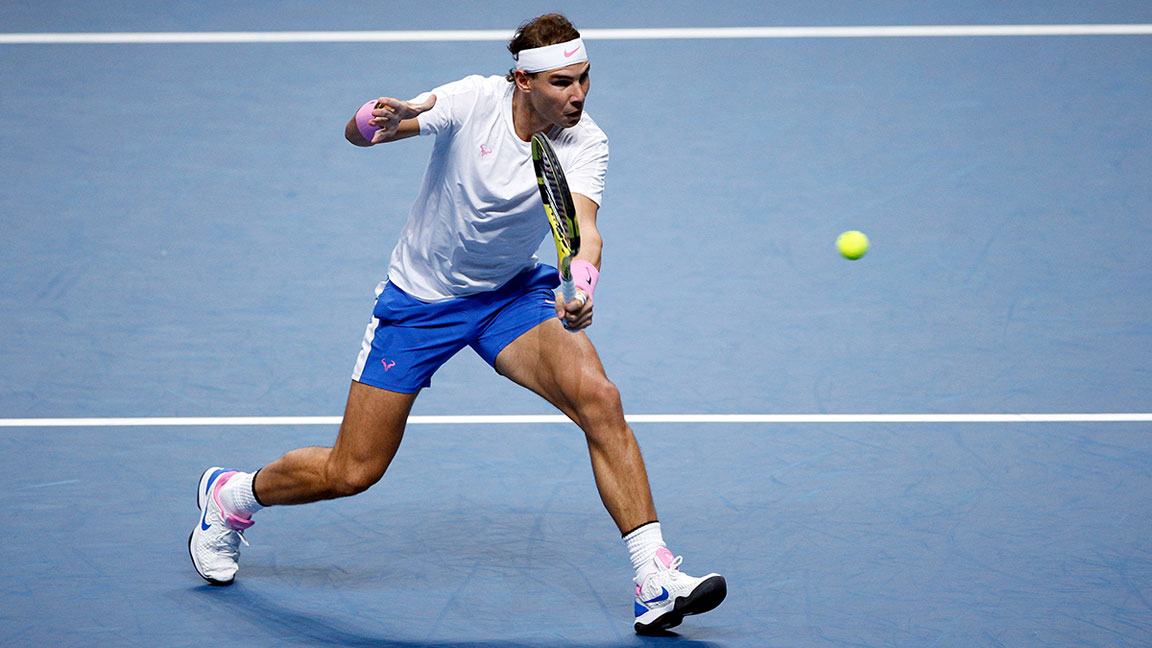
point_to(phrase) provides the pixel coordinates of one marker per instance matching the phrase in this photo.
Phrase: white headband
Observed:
(550, 57)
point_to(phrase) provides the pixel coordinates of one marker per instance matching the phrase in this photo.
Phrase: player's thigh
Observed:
(563, 367)
(371, 431)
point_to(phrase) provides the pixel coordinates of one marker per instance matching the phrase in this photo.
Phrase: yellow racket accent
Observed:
(564, 251)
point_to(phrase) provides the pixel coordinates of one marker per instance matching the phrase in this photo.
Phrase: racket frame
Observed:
(559, 208)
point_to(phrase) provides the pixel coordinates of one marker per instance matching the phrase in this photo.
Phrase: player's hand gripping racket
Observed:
(560, 209)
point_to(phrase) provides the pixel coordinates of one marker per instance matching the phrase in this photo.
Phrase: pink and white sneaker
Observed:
(215, 540)
(666, 595)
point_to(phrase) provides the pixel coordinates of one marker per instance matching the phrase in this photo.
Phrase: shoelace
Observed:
(672, 570)
(228, 543)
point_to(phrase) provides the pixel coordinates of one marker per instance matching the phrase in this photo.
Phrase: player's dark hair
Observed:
(548, 29)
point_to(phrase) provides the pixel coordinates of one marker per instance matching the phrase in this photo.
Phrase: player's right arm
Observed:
(395, 119)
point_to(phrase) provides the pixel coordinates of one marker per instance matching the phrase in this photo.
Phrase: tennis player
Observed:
(464, 273)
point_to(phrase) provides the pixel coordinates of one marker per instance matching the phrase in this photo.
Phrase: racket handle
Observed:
(567, 290)
(568, 293)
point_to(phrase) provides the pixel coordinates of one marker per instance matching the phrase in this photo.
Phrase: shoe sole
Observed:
(200, 499)
(706, 597)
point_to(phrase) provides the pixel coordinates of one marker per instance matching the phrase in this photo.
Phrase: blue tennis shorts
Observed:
(408, 339)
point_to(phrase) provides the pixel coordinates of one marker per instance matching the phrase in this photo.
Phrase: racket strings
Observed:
(552, 186)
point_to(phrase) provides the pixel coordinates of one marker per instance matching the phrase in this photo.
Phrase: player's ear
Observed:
(521, 79)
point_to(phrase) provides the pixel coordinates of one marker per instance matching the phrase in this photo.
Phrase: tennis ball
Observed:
(852, 244)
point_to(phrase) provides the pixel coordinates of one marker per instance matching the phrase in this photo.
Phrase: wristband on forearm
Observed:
(585, 275)
(363, 116)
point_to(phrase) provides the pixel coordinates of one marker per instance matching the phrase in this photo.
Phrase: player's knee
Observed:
(352, 480)
(606, 396)
(601, 405)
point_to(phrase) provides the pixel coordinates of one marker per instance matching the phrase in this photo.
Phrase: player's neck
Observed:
(525, 119)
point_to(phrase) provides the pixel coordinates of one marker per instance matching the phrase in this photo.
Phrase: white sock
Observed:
(643, 543)
(237, 497)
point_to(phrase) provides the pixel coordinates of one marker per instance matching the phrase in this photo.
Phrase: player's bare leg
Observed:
(565, 370)
(369, 436)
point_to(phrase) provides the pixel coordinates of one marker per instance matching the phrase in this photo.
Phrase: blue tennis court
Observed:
(185, 235)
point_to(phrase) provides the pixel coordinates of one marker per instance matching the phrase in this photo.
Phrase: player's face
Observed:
(558, 95)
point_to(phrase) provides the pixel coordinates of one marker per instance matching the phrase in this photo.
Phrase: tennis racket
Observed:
(560, 209)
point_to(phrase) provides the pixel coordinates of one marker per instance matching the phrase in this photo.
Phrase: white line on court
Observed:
(878, 31)
(556, 418)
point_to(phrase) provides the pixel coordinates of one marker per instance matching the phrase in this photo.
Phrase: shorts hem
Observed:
(510, 339)
(399, 389)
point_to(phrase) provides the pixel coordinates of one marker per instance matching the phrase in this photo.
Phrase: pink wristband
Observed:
(363, 116)
(585, 275)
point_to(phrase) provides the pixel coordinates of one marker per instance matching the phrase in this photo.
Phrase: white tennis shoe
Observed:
(666, 595)
(215, 541)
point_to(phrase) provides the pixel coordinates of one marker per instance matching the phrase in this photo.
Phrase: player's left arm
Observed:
(390, 120)
(579, 314)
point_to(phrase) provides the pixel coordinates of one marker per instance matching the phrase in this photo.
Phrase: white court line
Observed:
(556, 418)
(878, 31)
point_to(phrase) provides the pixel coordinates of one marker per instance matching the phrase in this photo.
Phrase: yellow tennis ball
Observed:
(852, 244)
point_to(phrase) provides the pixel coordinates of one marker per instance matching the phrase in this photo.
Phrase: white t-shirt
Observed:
(478, 219)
